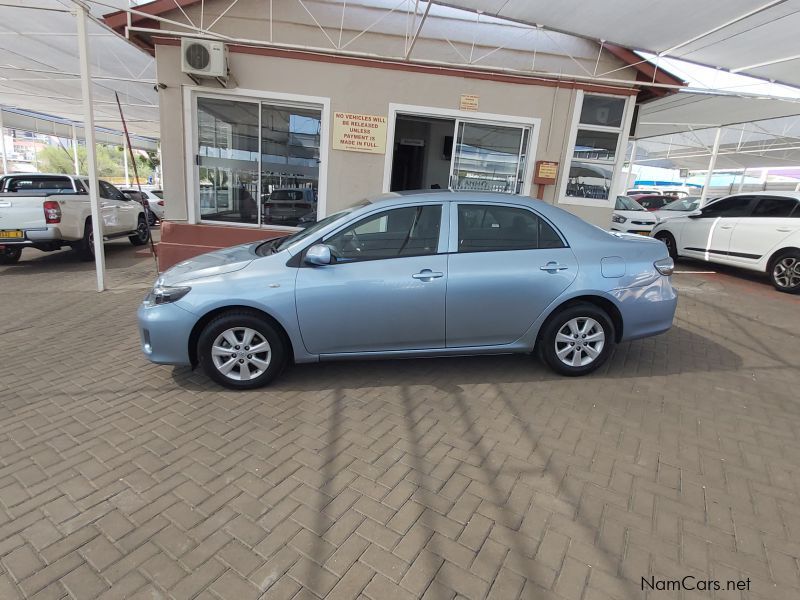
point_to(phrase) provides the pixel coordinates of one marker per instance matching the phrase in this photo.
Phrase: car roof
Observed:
(795, 195)
(414, 196)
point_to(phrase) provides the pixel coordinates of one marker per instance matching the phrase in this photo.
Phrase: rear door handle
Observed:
(427, 275)
(784, 229)
(726, 226)
(553, 266)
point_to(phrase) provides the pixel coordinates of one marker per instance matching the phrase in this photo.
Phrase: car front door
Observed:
(127, 210)
(773, 219)
(506, 266)
(385, 289)
(707, 235)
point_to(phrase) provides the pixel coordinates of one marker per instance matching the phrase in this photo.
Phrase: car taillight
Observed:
(52, 211)
(161, 203)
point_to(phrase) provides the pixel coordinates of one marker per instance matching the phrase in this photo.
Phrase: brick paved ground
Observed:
(467, 477)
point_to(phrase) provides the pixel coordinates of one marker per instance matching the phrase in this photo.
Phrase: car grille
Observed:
(643, 222)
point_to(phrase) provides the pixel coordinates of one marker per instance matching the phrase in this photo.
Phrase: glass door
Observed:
(228, 158)
(489, 157)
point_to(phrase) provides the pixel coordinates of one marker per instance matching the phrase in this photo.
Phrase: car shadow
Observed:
(118, 256)
(678, 351)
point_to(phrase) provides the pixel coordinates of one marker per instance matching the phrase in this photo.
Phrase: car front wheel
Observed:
(577, 340)
(241, 350)
(669, 242)
(142, 234)
(785, 272)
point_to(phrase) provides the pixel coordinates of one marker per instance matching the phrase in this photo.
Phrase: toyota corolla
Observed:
(430, 274)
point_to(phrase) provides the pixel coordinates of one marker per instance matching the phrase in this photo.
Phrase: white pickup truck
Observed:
(49, 212)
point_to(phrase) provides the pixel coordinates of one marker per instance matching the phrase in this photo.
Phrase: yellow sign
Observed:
(469, 102)
(359, 133)
(548, 170)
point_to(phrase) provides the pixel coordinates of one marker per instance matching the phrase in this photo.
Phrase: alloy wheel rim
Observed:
(241, 353)
(580, 341)
(787, 272)
(142, 231)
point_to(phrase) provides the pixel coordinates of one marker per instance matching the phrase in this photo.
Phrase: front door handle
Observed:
(553, 266)
(784, 229)
(726, 226)
(427, 275)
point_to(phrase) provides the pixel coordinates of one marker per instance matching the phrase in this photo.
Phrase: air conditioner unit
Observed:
(204, 58)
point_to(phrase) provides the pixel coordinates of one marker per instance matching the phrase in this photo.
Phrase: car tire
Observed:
(142, 235)
(85, 247)
(10, 255)
(151, 218)
(784, 272)
(563, 341)
(669, 241)
(228, 369)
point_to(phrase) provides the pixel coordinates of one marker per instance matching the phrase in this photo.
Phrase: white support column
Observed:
(3, 135)
(741, 181)
(711, 164)
(75, 150)
(91, 150)
(125, 160)
(631, 174)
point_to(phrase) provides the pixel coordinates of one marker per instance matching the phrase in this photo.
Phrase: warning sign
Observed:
(359, 133)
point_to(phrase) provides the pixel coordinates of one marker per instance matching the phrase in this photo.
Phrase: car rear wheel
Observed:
(577, 340)
(669, 242)
(10, 255)
(142, 234)
(85, 247)
(785, 272)
(241, 350)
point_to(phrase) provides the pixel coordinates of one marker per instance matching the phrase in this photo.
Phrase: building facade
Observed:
(298, 132)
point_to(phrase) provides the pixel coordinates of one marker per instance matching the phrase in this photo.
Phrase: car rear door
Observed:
(773, 219)
(506, 265)
(386, 289)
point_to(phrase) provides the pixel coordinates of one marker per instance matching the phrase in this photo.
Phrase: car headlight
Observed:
(665, 266)
(618, 218)
(165, 294)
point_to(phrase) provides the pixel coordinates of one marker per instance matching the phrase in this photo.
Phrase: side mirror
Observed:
(319, 255)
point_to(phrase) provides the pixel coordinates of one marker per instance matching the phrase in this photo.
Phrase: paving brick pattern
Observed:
(451, 478)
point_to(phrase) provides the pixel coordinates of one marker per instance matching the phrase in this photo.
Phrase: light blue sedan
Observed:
(426, 274)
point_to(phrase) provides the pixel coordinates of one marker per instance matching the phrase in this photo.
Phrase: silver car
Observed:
(429, 274)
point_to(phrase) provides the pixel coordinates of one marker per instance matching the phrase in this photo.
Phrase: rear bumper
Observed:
(164, 332)
(647, 310)
(44, 235)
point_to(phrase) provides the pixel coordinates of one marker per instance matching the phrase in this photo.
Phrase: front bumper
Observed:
(647, 310)
(164, 331)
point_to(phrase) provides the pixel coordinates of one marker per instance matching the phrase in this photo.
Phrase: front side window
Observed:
(774, 207)
(408, 231)
(737, 206)
(595, 147)
(488, 228)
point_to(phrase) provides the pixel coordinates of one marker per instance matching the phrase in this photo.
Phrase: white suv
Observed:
(759, 231)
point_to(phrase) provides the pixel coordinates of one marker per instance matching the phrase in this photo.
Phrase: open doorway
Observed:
(437, 152)
(423, 148)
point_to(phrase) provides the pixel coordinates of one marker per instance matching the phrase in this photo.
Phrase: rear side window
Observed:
(488, 228)
(774, 207)
(54, 185)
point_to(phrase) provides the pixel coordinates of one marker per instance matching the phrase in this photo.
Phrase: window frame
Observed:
(191, 169)
(620, 156)
(709, 207)
(455, 234)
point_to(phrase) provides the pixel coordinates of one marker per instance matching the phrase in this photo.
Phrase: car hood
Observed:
(214, 263)
(664, 215)
(639, 215)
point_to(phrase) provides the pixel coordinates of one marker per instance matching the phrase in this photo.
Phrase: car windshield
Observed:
(627, 203)
(282, 243)
(683, 204)
(286, 195)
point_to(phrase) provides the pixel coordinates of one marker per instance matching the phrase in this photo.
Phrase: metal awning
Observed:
(40, 72)
(742, 36)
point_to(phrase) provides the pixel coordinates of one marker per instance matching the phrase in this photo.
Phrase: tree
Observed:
(59, 159)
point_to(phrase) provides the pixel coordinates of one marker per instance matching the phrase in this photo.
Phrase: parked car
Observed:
(759, 231)
(147, 198)
(49, 212)
(449, 273)
(653, 202)
(631, 217)
(288, 206)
